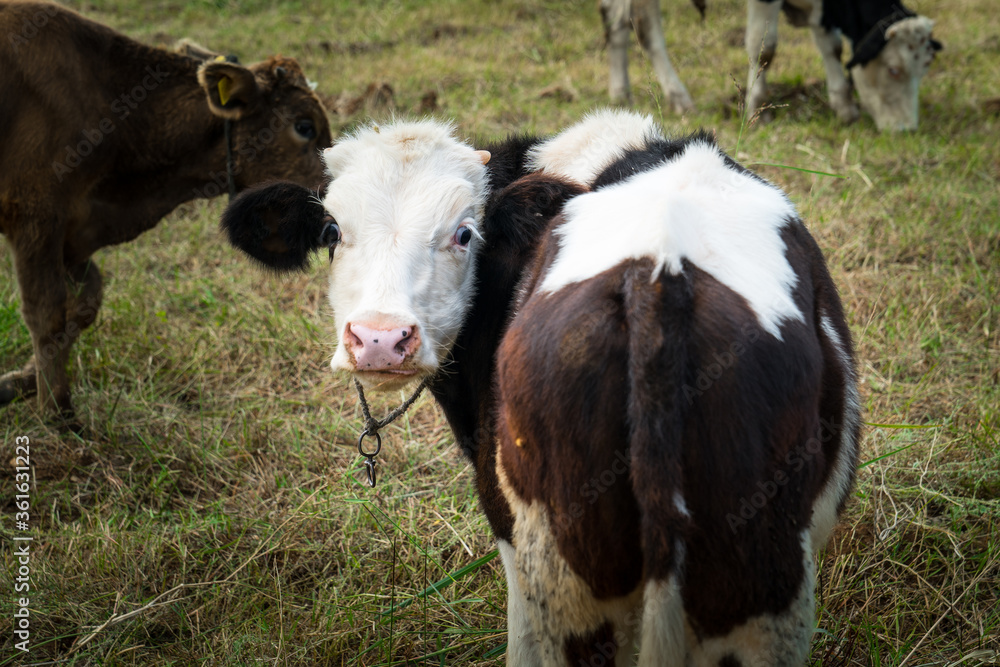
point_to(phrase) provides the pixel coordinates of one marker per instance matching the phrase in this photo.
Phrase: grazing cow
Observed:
(103, 137)
(892, 49)
(620, 18)
(637, 343)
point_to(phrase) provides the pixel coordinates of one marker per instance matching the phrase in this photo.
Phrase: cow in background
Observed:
(620, 18)
(102, 137)
(892, 49)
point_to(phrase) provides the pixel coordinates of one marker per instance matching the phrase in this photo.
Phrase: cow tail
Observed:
(658, 315)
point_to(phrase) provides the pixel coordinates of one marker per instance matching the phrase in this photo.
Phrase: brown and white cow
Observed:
(103, 137)
(637, 343)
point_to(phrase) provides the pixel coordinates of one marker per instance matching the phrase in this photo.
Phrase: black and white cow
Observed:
(637, 343)
(892, 49)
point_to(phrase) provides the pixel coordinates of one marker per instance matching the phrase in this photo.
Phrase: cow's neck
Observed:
(466, 392)
(185, 156)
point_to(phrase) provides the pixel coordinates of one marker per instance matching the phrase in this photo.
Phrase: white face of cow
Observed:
(888, 84)
(407, 199)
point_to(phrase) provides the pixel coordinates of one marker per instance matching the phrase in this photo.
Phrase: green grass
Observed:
(213, 512)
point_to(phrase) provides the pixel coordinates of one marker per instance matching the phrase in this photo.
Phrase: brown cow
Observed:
(103, 137)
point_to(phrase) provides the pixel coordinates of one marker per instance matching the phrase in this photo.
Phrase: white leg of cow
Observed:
(830, 47)
(615, 14)
(649, 28)
(761, 43)
(522, 645)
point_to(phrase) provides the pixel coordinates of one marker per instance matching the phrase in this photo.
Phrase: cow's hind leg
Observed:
(569, 626)
(779, 640)
(838, 87)
(522, 645)
(761, 44)
(649, 28)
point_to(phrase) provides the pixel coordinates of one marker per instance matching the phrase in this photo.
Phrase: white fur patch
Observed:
(838, 484)
(695, 208)
(888, 85)
(681, 505)
(584, 150)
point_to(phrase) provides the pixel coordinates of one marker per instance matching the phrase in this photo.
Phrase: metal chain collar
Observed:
(372, 426)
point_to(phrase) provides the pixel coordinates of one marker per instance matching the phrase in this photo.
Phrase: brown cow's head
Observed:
(279, 125)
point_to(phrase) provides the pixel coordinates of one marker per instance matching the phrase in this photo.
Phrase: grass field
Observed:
(213, 511)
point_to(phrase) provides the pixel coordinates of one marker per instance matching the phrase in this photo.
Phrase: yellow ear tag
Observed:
(225, 83)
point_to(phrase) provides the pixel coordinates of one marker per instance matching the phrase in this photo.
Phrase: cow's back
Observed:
(66, 81)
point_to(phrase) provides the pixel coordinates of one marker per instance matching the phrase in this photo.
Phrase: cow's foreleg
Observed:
(84, 289)
(838, 87)
(649, 28)
(41, 277)
(761, 44)
(615, 14)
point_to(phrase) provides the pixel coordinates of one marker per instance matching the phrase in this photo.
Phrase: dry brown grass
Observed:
(213, 510)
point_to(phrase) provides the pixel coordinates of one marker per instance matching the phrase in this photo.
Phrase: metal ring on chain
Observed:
(361, 447)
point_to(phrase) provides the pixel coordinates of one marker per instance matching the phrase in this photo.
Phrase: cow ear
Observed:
(231, 88)
(279, 224)
(529, 203)
(539, 195)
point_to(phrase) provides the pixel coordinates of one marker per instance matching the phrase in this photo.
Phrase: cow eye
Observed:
(463, 235)
(330, 236)
(305, 128)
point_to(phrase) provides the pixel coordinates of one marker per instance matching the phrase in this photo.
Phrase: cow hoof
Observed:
(18, 385)
(760, 116)
(69, 424)
(621, 98)
(848, 113)
(681, 103)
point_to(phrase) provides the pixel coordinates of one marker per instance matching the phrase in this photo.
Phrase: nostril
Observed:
(352, 339)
